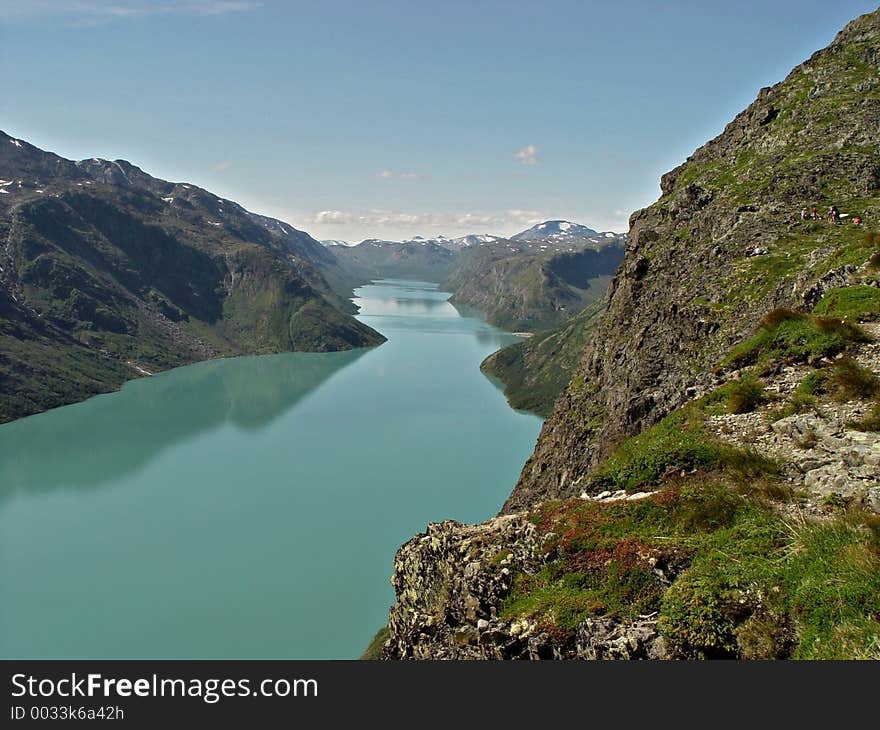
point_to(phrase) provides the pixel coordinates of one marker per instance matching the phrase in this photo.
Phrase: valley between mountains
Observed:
(110, 274)
(706, 483)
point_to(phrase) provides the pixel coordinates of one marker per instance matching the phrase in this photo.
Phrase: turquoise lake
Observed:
(251, 507)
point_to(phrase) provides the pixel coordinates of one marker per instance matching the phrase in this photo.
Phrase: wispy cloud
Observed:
(122, 9)
(529, 217)
(221, 166)
(389, 174)
(434, 221)
(374, 218)
(339, 217)
(528, 155)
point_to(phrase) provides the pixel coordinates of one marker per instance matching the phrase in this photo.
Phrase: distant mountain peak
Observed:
(560, 228)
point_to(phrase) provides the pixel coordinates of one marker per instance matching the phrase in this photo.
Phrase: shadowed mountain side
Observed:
(121, 274)
(373, 259)
(532, 290)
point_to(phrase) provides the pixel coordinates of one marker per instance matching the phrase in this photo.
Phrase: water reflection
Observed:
(110, 436)
(422, 307)
(410, 298)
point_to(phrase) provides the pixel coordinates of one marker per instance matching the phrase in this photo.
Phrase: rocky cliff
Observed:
(708, 485)
(723, 246)
(745, 524)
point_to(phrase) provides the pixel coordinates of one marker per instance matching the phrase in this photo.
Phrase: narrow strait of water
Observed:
(251, 507)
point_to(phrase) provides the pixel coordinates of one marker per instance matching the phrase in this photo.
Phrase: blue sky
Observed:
(373, 118)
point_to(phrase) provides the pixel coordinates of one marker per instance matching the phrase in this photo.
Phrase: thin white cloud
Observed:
(529, 217)
(475, 219)
(388, 174)
(122, 9)
(528, 155)
(221, 166)
(430, 221)
(332, 217)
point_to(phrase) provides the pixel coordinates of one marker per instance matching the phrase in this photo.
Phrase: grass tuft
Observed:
(849, 380)
(374, 651)
(746, 395)
(788, 336)
(860, 303)
(870, 422)
(678, 443)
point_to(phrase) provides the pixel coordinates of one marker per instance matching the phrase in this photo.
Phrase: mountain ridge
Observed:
(109, 273)
(691, 254)
(550, 229)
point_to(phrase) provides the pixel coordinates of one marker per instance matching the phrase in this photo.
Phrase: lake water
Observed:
(251, 507)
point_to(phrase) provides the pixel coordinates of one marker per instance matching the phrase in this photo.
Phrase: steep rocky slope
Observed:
(692, 285)
(708, 484)
(108, 274)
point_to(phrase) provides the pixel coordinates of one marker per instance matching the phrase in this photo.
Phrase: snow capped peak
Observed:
(473, 239)
(554, 233)
(15, 142)
(555, 229)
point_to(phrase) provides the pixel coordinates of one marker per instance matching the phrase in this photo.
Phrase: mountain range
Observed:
(554, 233)
(109, 273)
